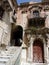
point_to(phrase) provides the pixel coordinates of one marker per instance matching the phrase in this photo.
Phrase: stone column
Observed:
(45, 51)
(32, 39)
(29, 54)
(30, 50)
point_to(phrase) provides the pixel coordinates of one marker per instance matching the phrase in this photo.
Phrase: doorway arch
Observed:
(38, 51)
(17, 36)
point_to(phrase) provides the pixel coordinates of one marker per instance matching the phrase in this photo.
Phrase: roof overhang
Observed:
(33, 4)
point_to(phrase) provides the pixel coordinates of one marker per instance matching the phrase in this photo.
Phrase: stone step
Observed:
(38, 64)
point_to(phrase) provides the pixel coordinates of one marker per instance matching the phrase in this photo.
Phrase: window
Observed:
(36, 13)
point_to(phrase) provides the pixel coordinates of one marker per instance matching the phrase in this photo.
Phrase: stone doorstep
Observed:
(38, 63)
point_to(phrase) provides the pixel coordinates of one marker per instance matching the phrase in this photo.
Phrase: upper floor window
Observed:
(36, 13)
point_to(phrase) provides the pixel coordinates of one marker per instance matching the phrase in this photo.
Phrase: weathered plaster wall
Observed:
(21, 19)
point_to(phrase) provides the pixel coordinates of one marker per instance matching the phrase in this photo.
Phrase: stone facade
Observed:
(6, 7)
(5, 27)
(35, 12)
(8, 55)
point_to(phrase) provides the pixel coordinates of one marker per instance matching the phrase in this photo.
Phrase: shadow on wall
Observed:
(17, 36)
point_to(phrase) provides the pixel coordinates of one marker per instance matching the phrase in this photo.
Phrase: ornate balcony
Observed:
(40, 31)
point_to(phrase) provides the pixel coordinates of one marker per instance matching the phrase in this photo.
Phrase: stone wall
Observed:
(21, 19)
(5, 29)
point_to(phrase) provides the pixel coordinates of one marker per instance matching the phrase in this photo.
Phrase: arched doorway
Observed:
(38, 51)
(17, 36)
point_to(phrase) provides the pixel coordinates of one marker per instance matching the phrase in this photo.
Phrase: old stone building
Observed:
(27, 23)
(6, 8)
(8, 55)
(33, 21)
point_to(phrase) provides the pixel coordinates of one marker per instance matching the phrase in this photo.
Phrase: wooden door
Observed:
(37, 54)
